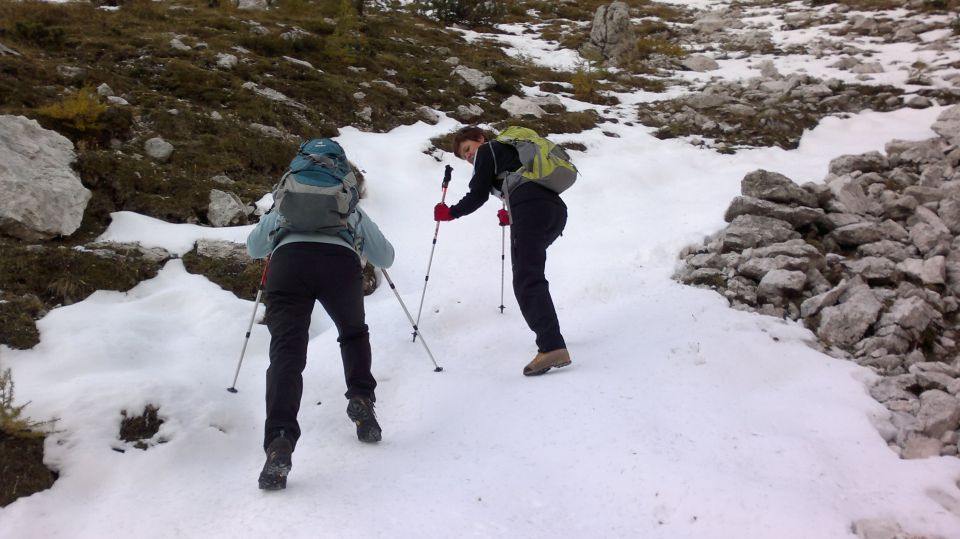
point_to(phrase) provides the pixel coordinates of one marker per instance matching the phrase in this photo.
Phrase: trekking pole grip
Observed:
(446, 176)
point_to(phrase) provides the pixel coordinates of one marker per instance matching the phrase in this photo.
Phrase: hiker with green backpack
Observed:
(314, 239)
(528, 173)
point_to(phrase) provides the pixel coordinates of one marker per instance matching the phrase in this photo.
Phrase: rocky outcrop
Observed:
(870, 262)
(477, 79)
(611, 33)
(517, 107)
(767, 110)
(42, 196)
(226, 209)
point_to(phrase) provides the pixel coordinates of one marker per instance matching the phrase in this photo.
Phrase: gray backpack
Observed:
(319, 192)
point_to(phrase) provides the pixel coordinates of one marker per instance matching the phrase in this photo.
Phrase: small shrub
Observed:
(79, 111)
(647, 47)
(587, 86)
(465, 12)
(39, 33)
(347, 43)
(22, 471)
(12, 421)
(584, 83)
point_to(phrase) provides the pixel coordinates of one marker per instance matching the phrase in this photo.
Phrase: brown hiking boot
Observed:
(544, 361)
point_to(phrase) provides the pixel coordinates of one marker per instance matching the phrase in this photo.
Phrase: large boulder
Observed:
(226, 209)
(846, 323)
(611, 33)
(776, 187)
(479, 80)
(43, 197)
(518, 107)
(948, 124)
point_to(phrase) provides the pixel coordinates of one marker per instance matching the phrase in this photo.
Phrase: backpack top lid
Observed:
(319, 193)
(320, 162)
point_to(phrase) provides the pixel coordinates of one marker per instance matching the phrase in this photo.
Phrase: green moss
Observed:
(567, 122)
(22, 471)
(242, 277)
(18, 328)
(35, 279)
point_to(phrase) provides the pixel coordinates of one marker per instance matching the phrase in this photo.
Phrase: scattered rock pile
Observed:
(869, 261)
(768, 110)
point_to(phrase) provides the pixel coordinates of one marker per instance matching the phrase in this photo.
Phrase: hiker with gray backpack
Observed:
(528, 173)
(315, 239)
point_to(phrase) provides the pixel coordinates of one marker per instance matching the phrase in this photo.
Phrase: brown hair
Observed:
(469, 133)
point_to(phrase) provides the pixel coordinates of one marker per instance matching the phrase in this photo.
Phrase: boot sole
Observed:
(545, 369)
(275, 471)
(274, 476)
(368, 430)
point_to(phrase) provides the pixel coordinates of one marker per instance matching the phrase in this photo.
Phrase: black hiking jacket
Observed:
(492, 159)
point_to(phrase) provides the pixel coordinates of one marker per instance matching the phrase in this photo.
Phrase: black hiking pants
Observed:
(299, 275)
(537, 223)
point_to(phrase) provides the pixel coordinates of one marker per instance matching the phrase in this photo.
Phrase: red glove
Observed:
(441, 212)
(504, 217)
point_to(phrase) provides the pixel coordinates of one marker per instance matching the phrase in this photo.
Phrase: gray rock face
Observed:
(845, 324)
(226, 209)
(939, 413)
(469, 112)
(849, 193)
(700, 63)
(755, 230)
(796, 216)
(158, 148)
(780, 282)
(518, 107)
(5, 50)
(272, 95)
(867, 162)
(948, 125)
(223, 250)
(776, 187)
(479, 80)
(43, 197)
(611, 33)
(259, 5)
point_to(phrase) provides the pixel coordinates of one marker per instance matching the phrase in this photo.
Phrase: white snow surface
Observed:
(679, 418)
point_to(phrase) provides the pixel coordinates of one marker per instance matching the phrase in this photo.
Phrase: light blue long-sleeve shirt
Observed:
(376, 248)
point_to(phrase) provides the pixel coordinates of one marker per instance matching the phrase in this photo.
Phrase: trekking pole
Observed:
(256, 305)
(410, 318)
(504, 217)
(436, 230)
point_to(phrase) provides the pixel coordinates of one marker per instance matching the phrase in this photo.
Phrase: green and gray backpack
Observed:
(543, 161)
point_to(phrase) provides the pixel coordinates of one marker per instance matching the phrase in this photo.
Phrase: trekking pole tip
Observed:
(232, 389)
(438, 369)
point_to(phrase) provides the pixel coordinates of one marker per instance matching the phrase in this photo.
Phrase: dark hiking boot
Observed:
(279, 462)
(360, 411)
(544, 361)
